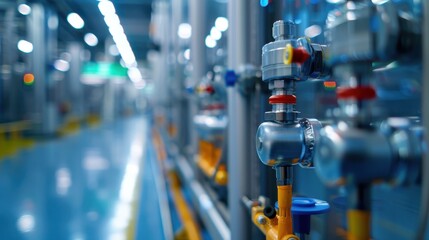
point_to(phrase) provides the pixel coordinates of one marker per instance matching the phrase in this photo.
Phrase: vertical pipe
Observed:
(12, 90)
(176, 106)
(197, 13)
(238, 131)
(424, 210)
(285, 215)
(161, 15)
(37, 31)
(74, 83)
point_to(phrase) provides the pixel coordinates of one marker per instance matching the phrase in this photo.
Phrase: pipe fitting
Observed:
(287, 144)
(285, 44)
(357, 156)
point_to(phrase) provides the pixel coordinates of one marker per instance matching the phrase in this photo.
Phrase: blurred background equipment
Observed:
(214, 119)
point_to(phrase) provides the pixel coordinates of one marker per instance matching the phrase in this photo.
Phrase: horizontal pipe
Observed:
(207, 211)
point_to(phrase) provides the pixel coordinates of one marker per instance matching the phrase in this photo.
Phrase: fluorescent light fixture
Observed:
(112, 20)
(313, 31)
(184, 31)
(379, 2)
(135, 74)
(24, 9)
(122, 46)
(91, 39)
(116, 30)
(113, 50)
(222, 24)
(187, 54)
(215, 33)
(75, 20)
(26, 223)
(210, 42)
(62, 65)
(106, 8)
(335, 1)
(25, 46)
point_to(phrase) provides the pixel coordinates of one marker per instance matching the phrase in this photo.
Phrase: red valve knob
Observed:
(209, 89)
(357, 93)
(285, 99)
(300, 55)
(294, 55)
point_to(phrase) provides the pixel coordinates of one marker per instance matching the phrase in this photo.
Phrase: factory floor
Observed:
(99, 183)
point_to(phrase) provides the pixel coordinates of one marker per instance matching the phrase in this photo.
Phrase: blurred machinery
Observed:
(211, 123)
(354, 80)
(342, 91)
(357, 151)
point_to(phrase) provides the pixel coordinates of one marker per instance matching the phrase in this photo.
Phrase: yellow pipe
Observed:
(191, 226)
(358, 225)
(185, 212)
(284, 195)
(269, 227)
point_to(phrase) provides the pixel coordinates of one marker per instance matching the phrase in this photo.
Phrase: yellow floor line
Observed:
(185, 213)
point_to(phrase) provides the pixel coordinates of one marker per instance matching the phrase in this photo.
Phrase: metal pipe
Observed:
(424, 209)
(210, 216)
(197, 16)
(161, 192)
(37, 33)
(238, 131)
(176, 105)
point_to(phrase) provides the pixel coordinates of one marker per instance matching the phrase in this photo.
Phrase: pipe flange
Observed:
(311, 129)
(282, 116)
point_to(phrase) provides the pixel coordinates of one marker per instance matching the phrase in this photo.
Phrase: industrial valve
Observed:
(355, 152)
(354, 156)
(285, 140)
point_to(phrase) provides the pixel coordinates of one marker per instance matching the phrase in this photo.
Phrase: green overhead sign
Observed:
(104, 69)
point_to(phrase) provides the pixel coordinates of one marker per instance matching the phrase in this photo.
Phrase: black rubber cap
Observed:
(270, 212)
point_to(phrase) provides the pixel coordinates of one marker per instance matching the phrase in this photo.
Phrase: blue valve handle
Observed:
(302, 209)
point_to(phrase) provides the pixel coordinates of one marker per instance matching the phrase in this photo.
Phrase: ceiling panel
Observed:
(134, 14)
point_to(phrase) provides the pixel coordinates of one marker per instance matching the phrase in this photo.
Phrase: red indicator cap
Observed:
(358, 93)
(285, 99)
(300, 55)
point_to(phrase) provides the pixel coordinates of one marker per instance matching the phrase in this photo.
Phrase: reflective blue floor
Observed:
(81, 186)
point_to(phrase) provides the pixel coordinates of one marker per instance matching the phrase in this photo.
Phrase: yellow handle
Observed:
(284, 195)
(359, 225)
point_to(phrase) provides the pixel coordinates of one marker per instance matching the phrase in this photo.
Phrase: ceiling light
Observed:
(222, 24)
(215, 33)
(26, 223)
(116, 30)
(106, 8)
(62, 65)
(113, 50)
(91, 39)
(112, 20)
(24, 9)
(335, 1)
(122, 46)
(313, 31)
(25, 46)
(187, 54)
(210, 42)
(184, 31)
(75, 20)
(134, 74)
